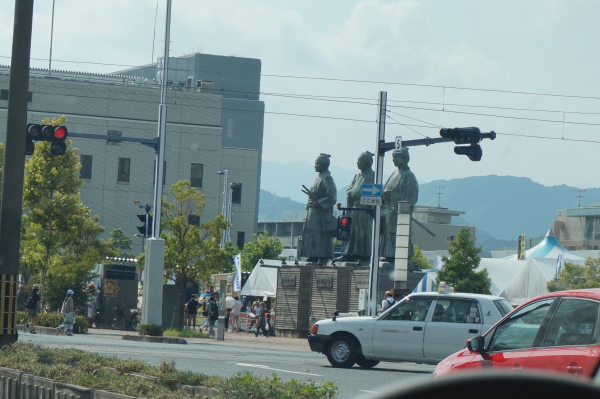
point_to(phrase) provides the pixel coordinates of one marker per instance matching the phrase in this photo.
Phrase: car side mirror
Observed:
(336, 313)
(476, 344)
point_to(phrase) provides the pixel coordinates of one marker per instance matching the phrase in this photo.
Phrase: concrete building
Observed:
(439, 222)
(578, 228)
(198, 142)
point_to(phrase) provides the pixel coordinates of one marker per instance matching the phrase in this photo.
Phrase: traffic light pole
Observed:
(152, 296)
(14, 167)
(374, 267)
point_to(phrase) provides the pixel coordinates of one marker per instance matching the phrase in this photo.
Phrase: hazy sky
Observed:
(423, 53)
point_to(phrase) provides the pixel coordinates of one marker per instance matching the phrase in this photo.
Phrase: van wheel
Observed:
(342, 352)
(366, 363)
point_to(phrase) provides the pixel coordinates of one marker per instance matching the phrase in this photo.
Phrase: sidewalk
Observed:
(240, 340)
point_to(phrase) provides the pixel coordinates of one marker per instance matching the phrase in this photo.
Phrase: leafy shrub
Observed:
(154, 330)
(81, 325)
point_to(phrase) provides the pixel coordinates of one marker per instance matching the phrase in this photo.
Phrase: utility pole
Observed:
(14, 168)
(154, 267)
(374, 267)
(224, 207)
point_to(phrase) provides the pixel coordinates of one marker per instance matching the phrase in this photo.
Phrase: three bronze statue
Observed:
(320, 226)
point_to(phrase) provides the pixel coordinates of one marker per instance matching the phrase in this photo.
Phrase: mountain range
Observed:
(501, 207)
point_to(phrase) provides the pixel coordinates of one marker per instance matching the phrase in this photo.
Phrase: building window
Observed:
(124, 168)
(241, 239)
(236, 193)
(164, 172)
(450, 238)
(196, 175)
(230, 127)
(86, 167)
(4, 95)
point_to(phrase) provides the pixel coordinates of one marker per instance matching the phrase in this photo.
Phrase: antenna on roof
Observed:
(439, 194)
(579, 196)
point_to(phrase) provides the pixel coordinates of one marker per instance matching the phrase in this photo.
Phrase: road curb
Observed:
(160, 340)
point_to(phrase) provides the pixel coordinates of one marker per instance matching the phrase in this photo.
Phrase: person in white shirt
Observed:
(235, 315)
(388, 300)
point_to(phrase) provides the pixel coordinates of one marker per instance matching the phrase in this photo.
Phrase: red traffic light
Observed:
(345, 222)
(60, 132)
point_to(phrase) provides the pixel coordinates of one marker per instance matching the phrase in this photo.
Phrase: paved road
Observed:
(289, 358)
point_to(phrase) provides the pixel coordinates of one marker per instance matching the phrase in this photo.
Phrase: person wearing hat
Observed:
(68, 315)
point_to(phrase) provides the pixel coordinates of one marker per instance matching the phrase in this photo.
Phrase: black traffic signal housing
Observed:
(56, 135)
(465, 135)
(146, 229)
(344, 225)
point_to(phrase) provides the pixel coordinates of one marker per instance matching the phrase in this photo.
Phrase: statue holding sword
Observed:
(320, 225)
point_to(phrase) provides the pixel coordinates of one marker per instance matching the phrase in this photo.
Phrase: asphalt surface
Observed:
(289, 358)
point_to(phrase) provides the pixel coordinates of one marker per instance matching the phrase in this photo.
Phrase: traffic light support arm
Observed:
(385, 147)
(148, 142)
(371, 211)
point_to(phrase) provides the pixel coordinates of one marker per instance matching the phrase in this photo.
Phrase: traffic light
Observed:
(465, 135)
(462, 135)
(473, 151)
(56, 135)
(146, 229)
(344, 225)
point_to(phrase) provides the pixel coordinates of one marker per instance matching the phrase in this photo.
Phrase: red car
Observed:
(556, 332)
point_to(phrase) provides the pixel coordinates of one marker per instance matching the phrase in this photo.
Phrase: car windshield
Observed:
(504, 307)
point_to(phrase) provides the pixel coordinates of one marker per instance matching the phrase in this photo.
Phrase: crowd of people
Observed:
(259, 314)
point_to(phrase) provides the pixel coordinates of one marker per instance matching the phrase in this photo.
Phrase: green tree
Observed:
(121, 243)
(459, 269)
(573, 276)
(261, 247)
(419, 259)
(192, 252)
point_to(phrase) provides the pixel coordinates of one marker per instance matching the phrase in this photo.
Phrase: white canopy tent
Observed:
(500, 271)
(263, 279)
(531, 280)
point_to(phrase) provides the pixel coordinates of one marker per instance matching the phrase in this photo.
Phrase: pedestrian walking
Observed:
(68, 315)
(235, 315)
(244, 304)
(212, 309)
(260, 313)
(34, 306)
(22, 297)
(191, 307)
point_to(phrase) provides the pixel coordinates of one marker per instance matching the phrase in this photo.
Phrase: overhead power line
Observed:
(529, 93)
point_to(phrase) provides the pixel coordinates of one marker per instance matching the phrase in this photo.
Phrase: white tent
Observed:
(549, 247)
(500, 271)
(263, 279)
(531, 280)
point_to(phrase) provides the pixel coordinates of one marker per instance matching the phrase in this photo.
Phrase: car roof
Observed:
(457, 295)
(592, 293)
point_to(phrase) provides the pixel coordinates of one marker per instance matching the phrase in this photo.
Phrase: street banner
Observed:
(560, 262)
(237, 283)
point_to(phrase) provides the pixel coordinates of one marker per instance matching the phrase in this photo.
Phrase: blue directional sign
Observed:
(371, 190)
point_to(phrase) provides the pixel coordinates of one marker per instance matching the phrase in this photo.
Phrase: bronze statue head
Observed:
(365, 161)
(322, 163)
(401, 159)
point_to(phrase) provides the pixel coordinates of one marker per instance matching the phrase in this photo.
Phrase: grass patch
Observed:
(185, 333)
(73, 366)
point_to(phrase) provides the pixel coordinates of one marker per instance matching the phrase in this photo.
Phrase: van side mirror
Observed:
(476, 344)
